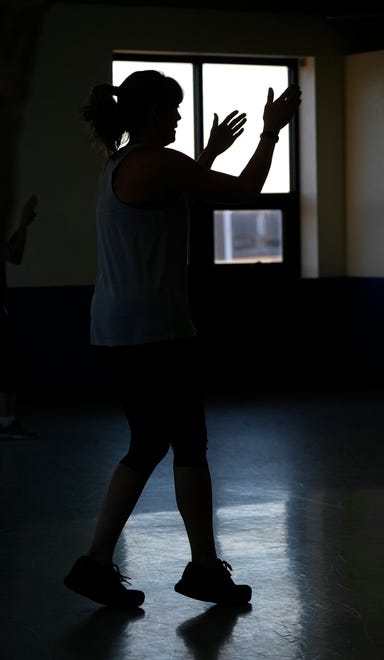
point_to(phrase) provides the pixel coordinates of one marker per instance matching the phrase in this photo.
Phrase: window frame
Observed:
(201, 240)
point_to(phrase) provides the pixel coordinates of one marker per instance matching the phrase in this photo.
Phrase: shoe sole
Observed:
(116, 605)
(207, 598)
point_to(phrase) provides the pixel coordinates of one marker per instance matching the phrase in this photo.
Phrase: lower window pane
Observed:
(247, 236)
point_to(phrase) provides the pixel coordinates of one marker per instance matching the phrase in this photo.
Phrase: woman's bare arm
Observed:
(150, 174)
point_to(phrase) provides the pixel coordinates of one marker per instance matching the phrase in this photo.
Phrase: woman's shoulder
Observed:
(152, 160)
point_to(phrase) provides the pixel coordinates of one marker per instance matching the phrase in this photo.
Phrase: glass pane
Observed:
(244, 87)
(248, 236)
(183, 73)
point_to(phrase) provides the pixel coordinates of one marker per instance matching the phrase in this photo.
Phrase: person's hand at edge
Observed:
(28, 212)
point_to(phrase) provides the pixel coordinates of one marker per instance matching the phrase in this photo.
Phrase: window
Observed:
(266, 236)
(248, 236)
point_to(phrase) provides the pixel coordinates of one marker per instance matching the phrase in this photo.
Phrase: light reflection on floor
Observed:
(298, 514)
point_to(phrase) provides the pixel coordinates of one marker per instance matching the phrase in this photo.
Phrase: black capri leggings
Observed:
(160, 389)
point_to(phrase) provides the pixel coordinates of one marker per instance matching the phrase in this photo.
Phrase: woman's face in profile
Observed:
(167, 119)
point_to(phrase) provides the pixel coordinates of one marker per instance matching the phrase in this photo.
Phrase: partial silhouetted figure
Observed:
(12, 251)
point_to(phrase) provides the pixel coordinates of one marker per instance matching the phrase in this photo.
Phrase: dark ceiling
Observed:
(360, 27)
(327, 10)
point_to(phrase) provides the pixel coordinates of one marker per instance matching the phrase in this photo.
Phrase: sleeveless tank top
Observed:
(141, 291)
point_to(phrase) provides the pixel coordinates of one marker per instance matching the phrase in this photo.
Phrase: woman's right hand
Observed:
(278, 113)
(223, 135)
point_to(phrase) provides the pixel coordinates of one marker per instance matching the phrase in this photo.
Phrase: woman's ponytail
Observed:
(103, 116)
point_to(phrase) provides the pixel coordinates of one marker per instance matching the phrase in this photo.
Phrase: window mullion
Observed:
(198, 107)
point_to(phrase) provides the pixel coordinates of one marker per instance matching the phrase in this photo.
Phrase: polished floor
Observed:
(299, 500)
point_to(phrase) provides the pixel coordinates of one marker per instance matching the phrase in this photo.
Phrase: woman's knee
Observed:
(145, 459)
(192, 454)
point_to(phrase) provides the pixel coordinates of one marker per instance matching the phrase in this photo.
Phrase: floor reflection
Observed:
(336, 551)
(299, 496)
(102, 635)
(207, 635)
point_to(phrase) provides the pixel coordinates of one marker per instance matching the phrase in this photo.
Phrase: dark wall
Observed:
(304, 332)
(308, 333)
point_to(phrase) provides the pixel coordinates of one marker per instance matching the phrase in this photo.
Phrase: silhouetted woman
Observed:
(140, 317)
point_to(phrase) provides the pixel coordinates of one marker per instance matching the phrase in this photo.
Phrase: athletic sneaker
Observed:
(16, 431)
(213, 585)
(103, 584)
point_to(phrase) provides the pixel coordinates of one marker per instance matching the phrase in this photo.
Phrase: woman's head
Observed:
(114, 112)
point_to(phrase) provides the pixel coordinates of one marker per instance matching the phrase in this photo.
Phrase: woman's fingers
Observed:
(234, 121)
(291, 93)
